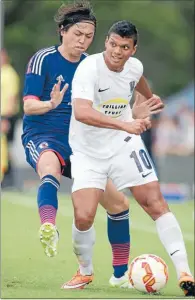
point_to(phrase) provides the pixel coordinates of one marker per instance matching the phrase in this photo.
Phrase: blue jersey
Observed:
(43, 71)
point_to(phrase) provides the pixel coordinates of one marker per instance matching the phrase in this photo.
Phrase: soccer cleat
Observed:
(49, 237)
(187, 284)
(122, 282)
(78, 281)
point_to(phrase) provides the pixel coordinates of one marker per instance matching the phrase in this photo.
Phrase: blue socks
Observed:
(47, 199)
(119, 237)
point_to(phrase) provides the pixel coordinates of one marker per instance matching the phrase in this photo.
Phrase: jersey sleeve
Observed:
(83, 85)
(139, 68)
(35, 76)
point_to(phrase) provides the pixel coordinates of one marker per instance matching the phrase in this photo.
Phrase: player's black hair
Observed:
(72, 13)
(124, 29)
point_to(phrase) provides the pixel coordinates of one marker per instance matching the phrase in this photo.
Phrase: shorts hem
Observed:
(135, 184)
(75, 189)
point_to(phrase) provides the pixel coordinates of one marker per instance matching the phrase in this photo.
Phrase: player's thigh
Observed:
(150, 198)
(49, 163)
(87, 172)
(132, 166)
(114, 201)
(44, 157)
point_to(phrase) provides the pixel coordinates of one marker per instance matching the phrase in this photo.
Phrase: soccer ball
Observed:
(148, 273)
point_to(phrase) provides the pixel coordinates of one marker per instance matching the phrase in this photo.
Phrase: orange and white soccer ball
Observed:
(148, 273)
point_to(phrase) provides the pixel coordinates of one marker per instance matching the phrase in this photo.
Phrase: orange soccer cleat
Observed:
(187, 284)
(78, 281)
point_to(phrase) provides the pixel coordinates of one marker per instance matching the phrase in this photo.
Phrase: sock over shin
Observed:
(83, 242)
(47, 199)
(171, 237)
(119, 237)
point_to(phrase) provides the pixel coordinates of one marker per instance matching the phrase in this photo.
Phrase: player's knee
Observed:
(156, 206)
(120, 206)
(83, 219)
(49, 164)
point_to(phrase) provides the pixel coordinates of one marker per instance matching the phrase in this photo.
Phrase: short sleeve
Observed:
(83, 85)
(35, 76)
(138, 67)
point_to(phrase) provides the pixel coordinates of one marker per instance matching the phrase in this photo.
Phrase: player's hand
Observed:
(138, 126)
(143, 109)
(57, 95)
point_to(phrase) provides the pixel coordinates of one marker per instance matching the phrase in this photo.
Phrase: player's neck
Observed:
(110, 67)
(68, 56)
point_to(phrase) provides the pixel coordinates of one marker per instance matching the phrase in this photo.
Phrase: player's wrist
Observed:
(48, 105)
(52, 104)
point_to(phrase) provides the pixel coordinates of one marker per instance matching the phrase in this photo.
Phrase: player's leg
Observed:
(150, 198)
(137, 172)
(88, 187)
(117, 206)
(45, 162)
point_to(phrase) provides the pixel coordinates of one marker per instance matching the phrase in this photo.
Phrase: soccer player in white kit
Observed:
(106, 143)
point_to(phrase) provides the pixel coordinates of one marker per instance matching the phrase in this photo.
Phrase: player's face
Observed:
(118, 51)
(78, 38)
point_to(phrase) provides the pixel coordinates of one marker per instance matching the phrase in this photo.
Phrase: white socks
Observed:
(171, 237)
(83, 242)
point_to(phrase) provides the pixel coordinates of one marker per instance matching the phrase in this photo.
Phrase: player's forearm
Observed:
(143, 88)
(92, 117)
(35, 107)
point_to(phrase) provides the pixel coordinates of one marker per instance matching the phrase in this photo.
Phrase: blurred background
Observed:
(166, 48)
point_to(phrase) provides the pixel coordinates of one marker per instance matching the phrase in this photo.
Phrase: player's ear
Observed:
(106, 41)
(134, 49)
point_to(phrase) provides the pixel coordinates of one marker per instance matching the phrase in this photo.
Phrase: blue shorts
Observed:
(37, 146)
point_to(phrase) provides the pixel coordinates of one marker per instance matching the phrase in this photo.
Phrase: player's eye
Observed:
(77, 33)
(125, 47)
(113, 44)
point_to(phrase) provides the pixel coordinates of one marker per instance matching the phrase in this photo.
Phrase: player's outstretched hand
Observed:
(143, 109)
(138, 126)
(57, 95)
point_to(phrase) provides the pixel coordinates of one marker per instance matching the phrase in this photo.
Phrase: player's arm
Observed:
(85, 113)
(146, 103)
(34, 85)
(143, 88)
(32, 107)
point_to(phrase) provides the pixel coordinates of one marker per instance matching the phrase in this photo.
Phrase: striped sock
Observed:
(119, 237)
(47, 199)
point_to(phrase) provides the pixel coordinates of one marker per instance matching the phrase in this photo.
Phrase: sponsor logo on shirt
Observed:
(114, 107)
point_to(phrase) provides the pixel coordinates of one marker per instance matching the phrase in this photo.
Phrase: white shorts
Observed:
(132, 166)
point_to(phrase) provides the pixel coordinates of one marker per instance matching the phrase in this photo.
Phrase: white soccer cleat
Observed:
(49, 237)
(122, 282)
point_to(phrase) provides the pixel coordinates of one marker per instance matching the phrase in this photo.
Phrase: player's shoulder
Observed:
(135, 63)
(44, 52)
(88, 59)
(89, 63)
(37, 61)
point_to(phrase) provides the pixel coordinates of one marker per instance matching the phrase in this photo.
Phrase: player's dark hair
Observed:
(125, 29)
(72, 13)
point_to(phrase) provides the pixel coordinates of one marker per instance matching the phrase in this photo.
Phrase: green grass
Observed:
(28, 273)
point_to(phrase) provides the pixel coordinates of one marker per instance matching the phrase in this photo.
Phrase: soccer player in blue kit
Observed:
(47, 108)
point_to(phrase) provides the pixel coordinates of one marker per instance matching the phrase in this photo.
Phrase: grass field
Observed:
(28, 273)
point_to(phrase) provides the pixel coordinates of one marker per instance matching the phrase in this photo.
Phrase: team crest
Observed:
(43, 145)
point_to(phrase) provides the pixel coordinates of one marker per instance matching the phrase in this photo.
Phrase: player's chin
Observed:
(79, 51)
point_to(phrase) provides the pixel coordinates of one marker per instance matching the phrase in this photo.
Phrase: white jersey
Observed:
(110, 93)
